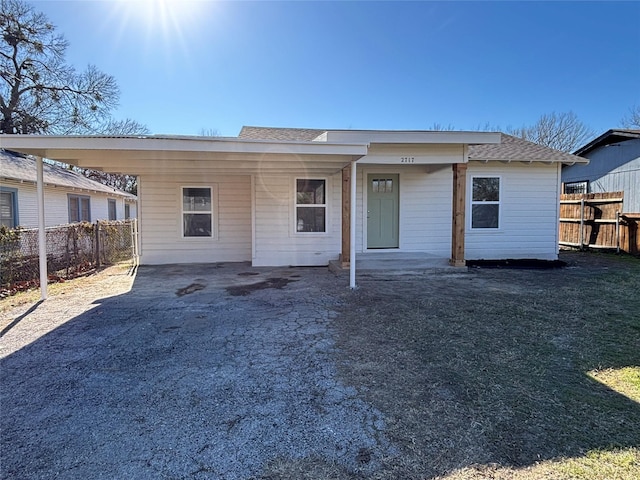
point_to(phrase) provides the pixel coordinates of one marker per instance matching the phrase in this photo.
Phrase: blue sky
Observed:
(188, 66)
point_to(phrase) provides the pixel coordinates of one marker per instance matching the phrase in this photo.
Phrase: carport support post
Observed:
(352, 229)
(345, 256)
(458, 214)
(42, 234)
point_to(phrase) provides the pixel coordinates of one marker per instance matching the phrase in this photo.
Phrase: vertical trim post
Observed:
(42, 234)
(345, 256)
(352, 229)
(458, 214)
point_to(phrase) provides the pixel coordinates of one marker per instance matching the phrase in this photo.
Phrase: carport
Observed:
(137, 155)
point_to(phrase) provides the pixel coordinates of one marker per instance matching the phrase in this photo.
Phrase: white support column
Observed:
(352, 229)
(42, 235)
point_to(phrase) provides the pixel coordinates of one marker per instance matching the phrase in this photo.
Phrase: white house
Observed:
(306, 197)
(71, 197)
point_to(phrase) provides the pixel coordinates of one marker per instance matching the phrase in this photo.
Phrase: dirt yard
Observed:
(490, 373)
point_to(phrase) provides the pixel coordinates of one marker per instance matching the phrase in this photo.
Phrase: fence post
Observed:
(582, 223)
(618, 231)
(97, 234)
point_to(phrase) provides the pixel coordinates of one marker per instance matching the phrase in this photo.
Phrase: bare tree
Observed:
(42, 94)
(561, 131)
(632, 119)
(209, 132)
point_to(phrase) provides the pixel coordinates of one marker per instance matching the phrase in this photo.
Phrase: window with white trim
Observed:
(111, 203)
(197, 211)
(311, 205)
(485, 202)
(79, 208)
(576, 187)
(8, 207)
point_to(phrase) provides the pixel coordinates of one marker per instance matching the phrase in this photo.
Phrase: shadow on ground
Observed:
(224, 371)
(197, 372)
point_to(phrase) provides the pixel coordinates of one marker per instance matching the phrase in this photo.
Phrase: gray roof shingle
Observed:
(14, 166)
(510, 149)
(516, 149)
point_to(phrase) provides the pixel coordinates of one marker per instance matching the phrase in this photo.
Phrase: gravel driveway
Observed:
(197, 372)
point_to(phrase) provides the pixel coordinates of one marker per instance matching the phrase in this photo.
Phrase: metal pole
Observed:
(42, 234)
(352, 229)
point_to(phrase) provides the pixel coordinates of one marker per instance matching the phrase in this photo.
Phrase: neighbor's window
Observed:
(127, 211)
(485, 202)
(311, 205)
(112, 209)
(8, 207)
(79, 208)
(197, 212)
(576, 187)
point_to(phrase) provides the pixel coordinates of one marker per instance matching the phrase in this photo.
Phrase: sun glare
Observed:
(167, 20)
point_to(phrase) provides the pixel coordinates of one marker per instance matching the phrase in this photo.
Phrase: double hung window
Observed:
(197, 212)
(8, 207)
(111, 203)
(311, 205)
(79, 208)
(485, 202)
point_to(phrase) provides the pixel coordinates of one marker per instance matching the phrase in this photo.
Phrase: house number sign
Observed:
(407, 159)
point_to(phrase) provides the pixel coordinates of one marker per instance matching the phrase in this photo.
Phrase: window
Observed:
(9, 207)
(112, 209)
(127, 211)
(311, 206)
(79, 208)
(576, 187)
(485, 202)
(197, 212)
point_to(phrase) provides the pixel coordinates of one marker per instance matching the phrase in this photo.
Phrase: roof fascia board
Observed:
(599, 141)
(46, 145)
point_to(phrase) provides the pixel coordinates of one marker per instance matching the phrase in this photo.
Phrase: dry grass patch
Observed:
(625, 381)
(487, 373)
(621, 464)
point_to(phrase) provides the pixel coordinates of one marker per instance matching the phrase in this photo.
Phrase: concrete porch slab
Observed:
(397, 263)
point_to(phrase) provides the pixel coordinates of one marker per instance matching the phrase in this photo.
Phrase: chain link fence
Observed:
(71, 250)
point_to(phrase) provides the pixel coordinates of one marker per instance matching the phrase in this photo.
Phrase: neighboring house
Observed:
(277, 197)
(614, 166)
(70, 197)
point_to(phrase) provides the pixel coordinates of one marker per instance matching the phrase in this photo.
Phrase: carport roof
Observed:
(75, 149)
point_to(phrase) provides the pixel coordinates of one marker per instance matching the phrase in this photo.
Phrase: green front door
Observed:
(383, 200)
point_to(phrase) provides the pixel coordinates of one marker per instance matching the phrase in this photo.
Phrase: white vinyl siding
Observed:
(160, 198)
(56, 204)
(425, 207)
(528, 213)
(276, 239)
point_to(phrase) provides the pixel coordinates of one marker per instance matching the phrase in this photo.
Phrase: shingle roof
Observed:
(14, 166)
(284, 134)
(510, 149)
(607, 138)
(517, 149)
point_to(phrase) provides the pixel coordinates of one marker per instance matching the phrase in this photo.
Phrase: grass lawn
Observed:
(499, 373)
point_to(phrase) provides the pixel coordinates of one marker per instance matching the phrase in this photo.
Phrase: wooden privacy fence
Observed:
(596, 220)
